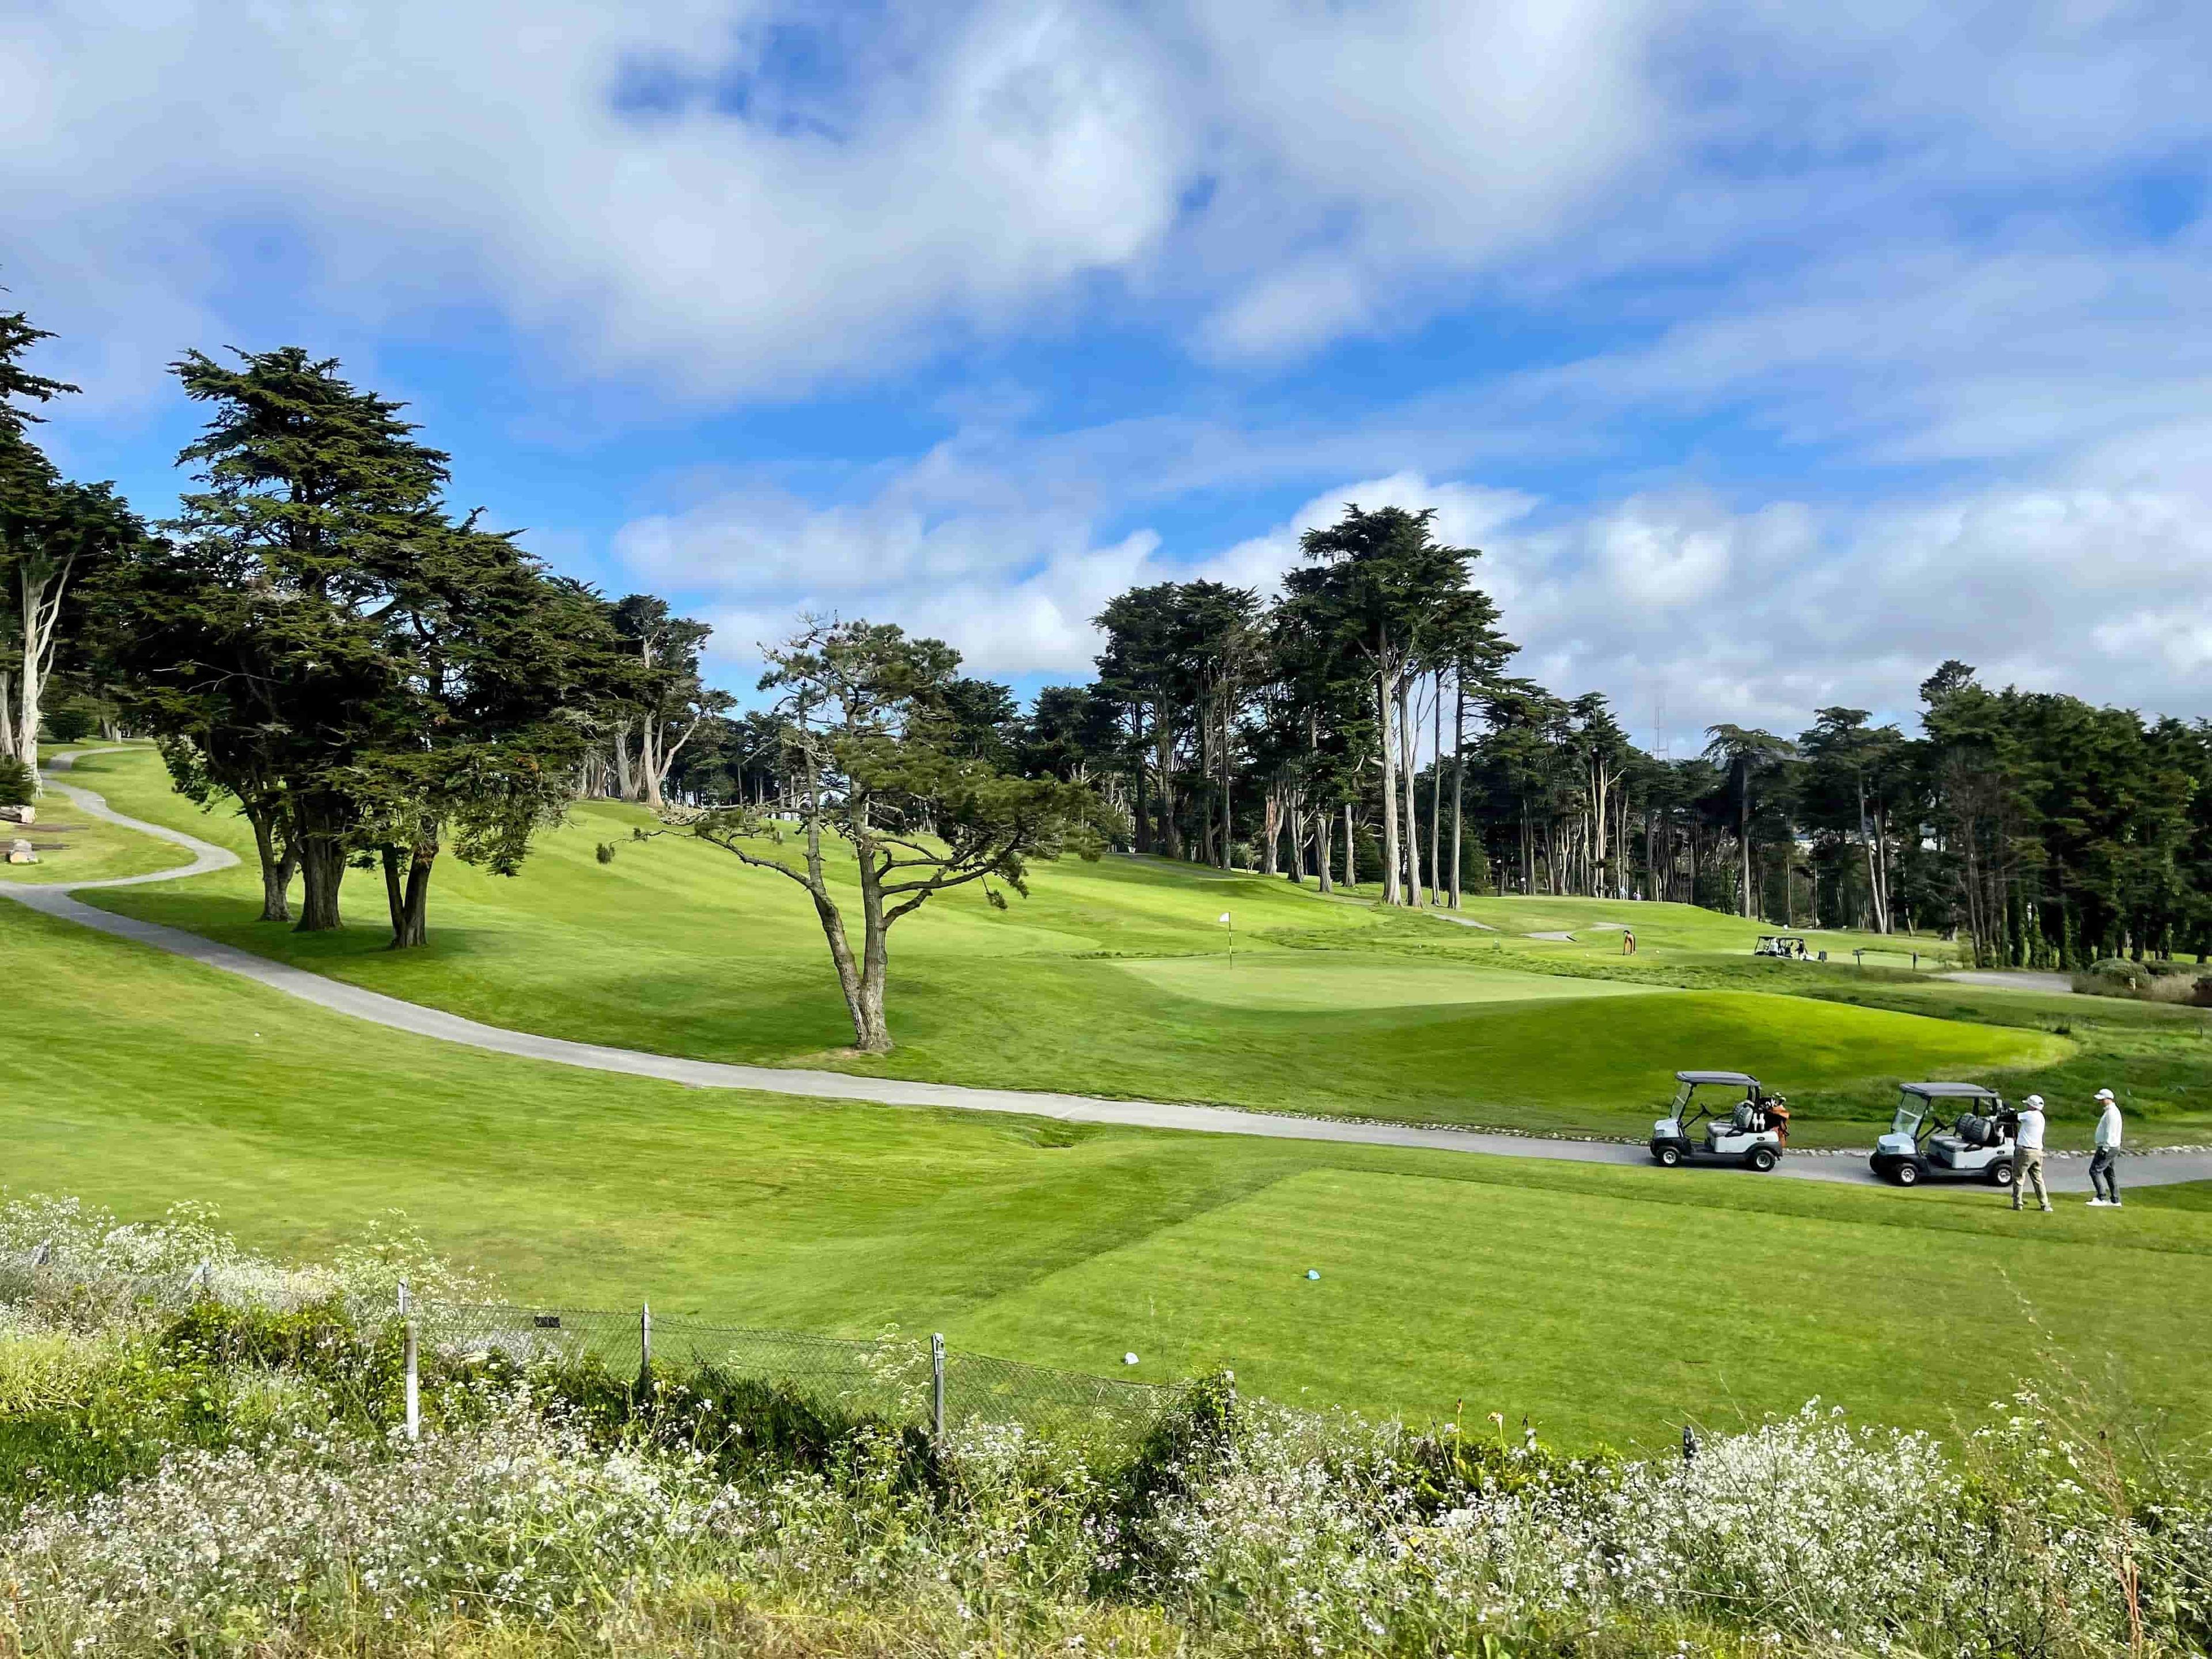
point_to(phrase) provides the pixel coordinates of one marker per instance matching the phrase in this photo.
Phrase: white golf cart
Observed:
(1752, 1132)
(1791, 947)
(1947, 1132)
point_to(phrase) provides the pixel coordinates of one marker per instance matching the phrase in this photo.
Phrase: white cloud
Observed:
(754, 198)
(2097, 583)
(948, 550)
(2070, 586)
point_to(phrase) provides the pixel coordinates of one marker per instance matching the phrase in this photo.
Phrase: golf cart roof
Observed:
(1949, 1090)
(1799, 938)
(1739, 1079)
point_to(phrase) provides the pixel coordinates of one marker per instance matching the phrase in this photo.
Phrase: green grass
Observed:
(1605, 1303)
(1109, 978)
(74, 846)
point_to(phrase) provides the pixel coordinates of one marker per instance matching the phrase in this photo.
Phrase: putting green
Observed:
(1348, 981)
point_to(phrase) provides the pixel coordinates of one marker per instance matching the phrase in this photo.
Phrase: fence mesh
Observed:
(890, 1378)
(894, 1378)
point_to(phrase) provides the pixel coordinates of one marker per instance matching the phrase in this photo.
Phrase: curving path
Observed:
(2068, 1174)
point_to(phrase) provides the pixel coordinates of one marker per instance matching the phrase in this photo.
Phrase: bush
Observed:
(2119, 968)
(71, 720)
(18, 785)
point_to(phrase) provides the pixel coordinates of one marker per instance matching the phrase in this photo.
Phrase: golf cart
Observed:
(1791, 947)
(1947, 1132)
(1752, 1132)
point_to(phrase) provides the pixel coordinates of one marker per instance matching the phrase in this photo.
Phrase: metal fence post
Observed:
(645, 1343)
(43, 1255)
(201, 1276)
(937, 1387)
(413, 1379)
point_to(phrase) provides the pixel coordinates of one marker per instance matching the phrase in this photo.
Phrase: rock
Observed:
(19, 815)
(19, 852)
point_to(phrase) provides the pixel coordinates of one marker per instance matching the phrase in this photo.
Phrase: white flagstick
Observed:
(1231, 926)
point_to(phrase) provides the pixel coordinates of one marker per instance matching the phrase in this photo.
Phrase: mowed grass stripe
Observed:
(1604, 1318)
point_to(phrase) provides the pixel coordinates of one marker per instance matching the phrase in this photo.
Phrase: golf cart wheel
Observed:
(1668, 1156)
(1908, 1175)
(2000, 1175)
(1761, 1158)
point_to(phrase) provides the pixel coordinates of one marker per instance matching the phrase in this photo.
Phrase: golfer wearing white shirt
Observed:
(2103, 1176)
(2029, 1146)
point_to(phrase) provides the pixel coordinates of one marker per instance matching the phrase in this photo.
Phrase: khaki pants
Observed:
(2031, 1168)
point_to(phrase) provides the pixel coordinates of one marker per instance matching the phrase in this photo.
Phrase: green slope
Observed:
(1110, 978)
(1605, 1303)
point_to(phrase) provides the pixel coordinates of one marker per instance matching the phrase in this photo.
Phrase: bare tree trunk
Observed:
(625, 773)
(1437, 793)
(1393, 853)
(408, 898)
(1406, 728)
(1459, 781)
(276, 865)
(1228, 784)
(1164, 746)
(322, 869)
(1321, 839)
(1743, 835)
(41, 584)
(1351, 852)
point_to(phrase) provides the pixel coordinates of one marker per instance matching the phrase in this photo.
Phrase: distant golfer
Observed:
(1628, 941)
(2029, 1143)
(2104, 1171)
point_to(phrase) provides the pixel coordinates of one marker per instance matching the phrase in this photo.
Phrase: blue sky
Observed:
(1770, 355)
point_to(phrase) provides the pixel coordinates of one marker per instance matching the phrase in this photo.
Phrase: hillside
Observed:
(1114, 978)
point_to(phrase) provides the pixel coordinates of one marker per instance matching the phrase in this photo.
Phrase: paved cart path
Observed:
(375, 1006)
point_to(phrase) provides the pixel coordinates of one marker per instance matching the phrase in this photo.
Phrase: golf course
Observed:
(141, 1081)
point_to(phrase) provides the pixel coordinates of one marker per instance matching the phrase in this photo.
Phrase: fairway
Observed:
(1576, 1295)
(1336, 982)
(1621, 1313)
(1100, 981)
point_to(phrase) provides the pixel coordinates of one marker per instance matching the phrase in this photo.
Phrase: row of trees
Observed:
(375, 678)
(317, 640)
(317, 636)
(1366, 724)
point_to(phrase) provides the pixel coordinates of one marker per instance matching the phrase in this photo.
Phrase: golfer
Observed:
(2104, 1172)
(2029, 1144)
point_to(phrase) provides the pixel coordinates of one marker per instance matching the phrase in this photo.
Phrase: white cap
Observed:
(2104, 1094)
(2035, 1101)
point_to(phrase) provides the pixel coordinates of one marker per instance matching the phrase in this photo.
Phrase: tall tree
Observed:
(314, 496)
(1382, 583)
(669, 699)
(499, 666)
(1745, 750)
(52, 532)
(875, 762)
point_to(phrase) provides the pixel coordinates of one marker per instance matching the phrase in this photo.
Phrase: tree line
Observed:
(319, 640)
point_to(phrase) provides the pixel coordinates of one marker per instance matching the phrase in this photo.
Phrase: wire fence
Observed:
(924, 1384)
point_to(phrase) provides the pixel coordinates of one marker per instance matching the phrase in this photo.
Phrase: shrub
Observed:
(71, 720)
(19, 786)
